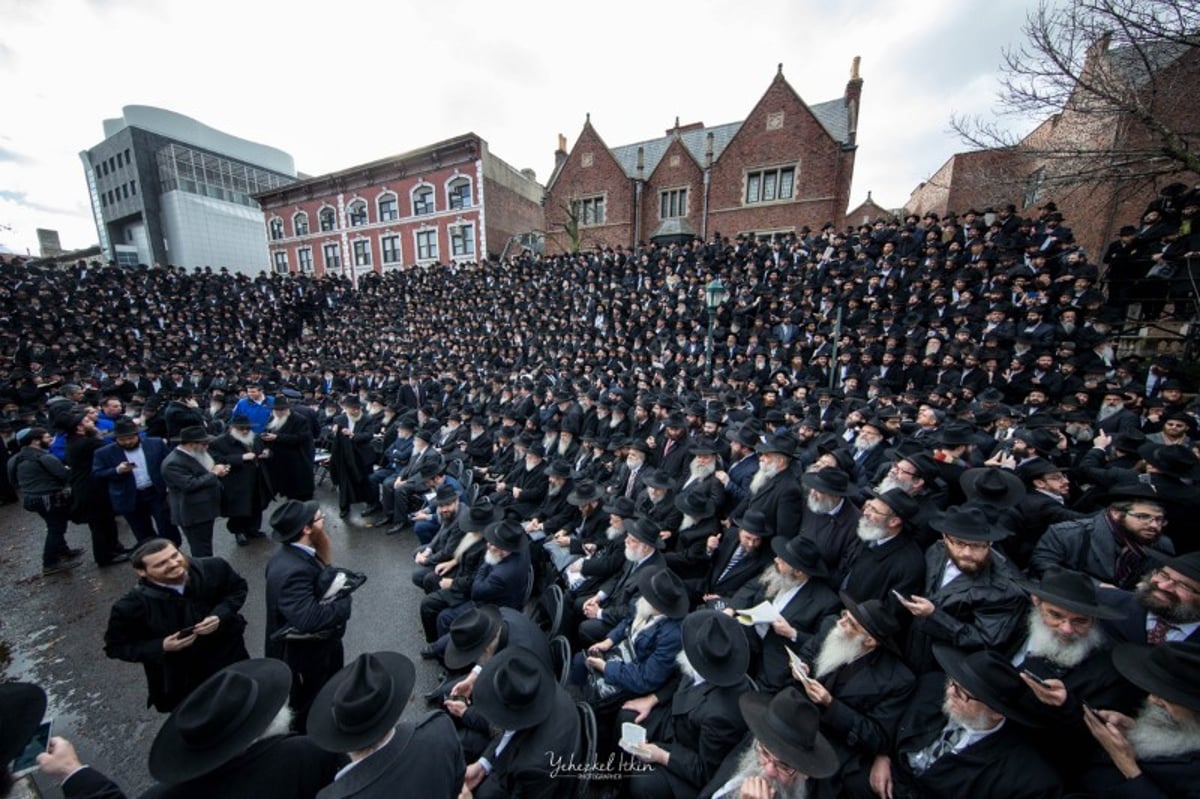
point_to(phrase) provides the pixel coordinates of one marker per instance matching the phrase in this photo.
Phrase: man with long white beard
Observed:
(796, 590)
(782, 752)
(774, 489)
(289, 436)
(193, 482)
(851, 671)
(614, 600)
(830, 519)
(627, 480)
(244, 491)
(963, 735)
(1157, 752)
(884, 558)
(701, 476)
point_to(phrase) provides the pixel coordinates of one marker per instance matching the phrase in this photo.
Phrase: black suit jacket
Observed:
(699, 725)
(747, 569)
(805, 612)
(422, 759)
(523, 769)
(781, 500)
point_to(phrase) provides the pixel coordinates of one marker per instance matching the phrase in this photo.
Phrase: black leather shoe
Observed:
(429, 653)
(74, 552)
(343, 513)
(241, 539)
(61, 566)
(396, 529)
(120, 557)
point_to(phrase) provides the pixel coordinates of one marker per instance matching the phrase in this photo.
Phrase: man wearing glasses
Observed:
(1164, 606)
(1112, 547)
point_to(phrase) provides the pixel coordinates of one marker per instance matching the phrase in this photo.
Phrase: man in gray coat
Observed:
(194, 489)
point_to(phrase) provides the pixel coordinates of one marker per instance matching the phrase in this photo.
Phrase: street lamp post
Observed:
(714, 295)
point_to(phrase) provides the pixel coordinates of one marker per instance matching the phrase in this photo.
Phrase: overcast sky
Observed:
(335, 85)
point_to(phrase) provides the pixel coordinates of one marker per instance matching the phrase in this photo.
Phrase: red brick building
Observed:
(450, 201)
(1037, 172)
(787, 164)
(867, 212)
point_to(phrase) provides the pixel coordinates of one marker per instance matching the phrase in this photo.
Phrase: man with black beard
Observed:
(851, 671)
(1163, 608)
(90, 502)
(244, 491)
(131, 467)
(444, 552)
(353, 454)
(1157, 752)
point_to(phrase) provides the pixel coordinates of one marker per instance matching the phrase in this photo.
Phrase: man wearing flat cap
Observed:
(358, 713)
(306, 609)
(964, 735)
(693, 722)
(971, 597)
(781, 753)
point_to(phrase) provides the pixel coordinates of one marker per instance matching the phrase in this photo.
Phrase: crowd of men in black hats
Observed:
(922, 532)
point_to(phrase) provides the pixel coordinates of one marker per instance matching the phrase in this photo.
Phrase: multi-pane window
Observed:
(427, 247)
(462, 241)
(357, 213)
(304, 257)
(390, 245)
(422, 201)
(591, 211)
(281, 264)
(276, 229)
(300, 224)
(672, 203)
(460, 193)
(328, 219)
(333, 257)
(362, 253)
(769, 185)
(388, 208)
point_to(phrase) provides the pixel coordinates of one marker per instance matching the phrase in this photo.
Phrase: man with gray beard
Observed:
(1157, 752)
(701, 475)
(884, 558)
(774, 490)
(244, 491)
(782, 751)
(830, 518)
(851, 671)
(193, 482)
(604, 557)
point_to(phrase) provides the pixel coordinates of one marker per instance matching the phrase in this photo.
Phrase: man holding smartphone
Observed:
(181, 621)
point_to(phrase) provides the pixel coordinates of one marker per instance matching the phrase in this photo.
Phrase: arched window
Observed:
(300, 223)
(458, 193)
(357, 213)
(276, 227)
(328, 219)
(422, 200)
(389, 207)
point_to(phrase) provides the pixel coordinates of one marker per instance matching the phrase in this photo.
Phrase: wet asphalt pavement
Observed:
(52, 629)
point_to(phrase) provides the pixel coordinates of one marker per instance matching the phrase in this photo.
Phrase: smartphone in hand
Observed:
(186, 631)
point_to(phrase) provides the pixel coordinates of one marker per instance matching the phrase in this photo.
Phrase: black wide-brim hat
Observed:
(474, 518)
(989, 677)
(1167, 670)
(290, 518)
(507, 535)
(874, 617)
(646, 531)
(656, 479)
(698, 503)
(1071, 591)
(585, 491)
(362, 702)
(992, 485)
(828, 481)
(969, 524)
(193, 435)
(800, 553)
(22, 706)
(716, 647)
(219, 719)
(788, 725)
(665, 591)
(470, 634)
(514, 690)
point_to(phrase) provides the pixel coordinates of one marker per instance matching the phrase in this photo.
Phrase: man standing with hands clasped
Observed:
(193, 481)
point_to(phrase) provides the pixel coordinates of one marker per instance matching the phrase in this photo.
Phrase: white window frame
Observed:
(354, 250)
(417, 247)
(275, 226)
(451, 184)
(298, 217)
(280, 259)
(590, 202)
(418, 189)
(379, 201)
(305, 265)
(337, 254)
(758, 178)
(321, 214)
(366, 213)
(383, 251)
(462, 233)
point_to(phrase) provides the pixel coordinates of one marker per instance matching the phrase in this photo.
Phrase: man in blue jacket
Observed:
(132, 469)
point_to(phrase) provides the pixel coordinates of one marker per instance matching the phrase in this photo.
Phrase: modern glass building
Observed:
(170, 190)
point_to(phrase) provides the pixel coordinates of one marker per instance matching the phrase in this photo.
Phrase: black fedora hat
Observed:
(782, 443)
(622, 506)
(696, 503)
(559, 468)
(954, 435)
(240, 420)
(801, 553)
(1037, 467)
(475, 517)
(1187, 564)
(194, 435)
(744, 435)
(1173, 459)
(1168, 670)
(219, 719)
(445, 494)
(900, 501)
(990, 677)
(874, 617)
(362, 702)
(22, 706)
(636, 443)
(967, 523)
(507, 535)
(1130, 442)
(646, 531)
(703, 446)
(1072, 591)
(657, 479)
(428, 469)
(514, 690)
(716, 647)
(663, 589)
(585, 491)
(1133, 492)
(828, 481)
(290, 519)
(754, 522)
(124, 427)
(788, 726)
(470, 634)
(993, 486)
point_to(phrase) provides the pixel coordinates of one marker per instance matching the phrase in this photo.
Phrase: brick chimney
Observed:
(560, 155)
(853, 95)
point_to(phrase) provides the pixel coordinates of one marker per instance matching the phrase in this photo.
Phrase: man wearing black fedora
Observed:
(604, 555)
(884, 558)
(1113, 546)
(737, 556)
(830, 518)
(614, 600)
(358, 713)
(1155, 752)
(690, 558)
(555, 513)
(131, 469)
(774, 489)
(229, 738)
(743, 441)
(539, 730)
(352, 454)
(245, 490)
(657, 502)
(525, 487)
(306, 616)
(693, 722)
(193, 481)
(289, 435)
(584, 524)
(852, 671)
(783, 750)
(796, 588)
(455, 552)
(701, 473)
(971, 597)
(963, 734)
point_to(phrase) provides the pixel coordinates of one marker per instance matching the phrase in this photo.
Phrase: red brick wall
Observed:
(677, 169)
(604, 176)
(507, 214)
